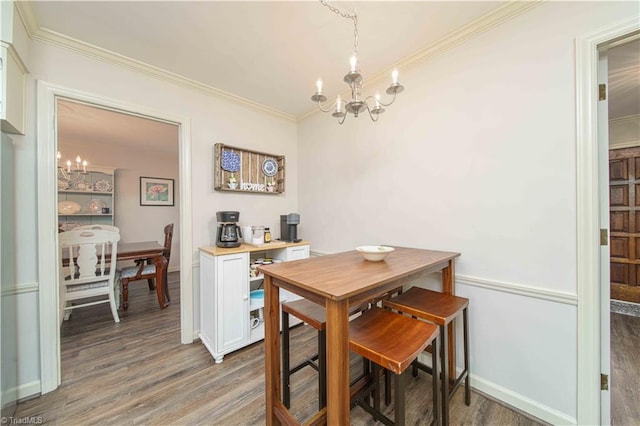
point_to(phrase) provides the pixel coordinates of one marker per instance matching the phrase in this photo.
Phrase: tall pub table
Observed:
(337, 282)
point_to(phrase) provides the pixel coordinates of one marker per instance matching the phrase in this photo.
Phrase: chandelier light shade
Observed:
(342, 107)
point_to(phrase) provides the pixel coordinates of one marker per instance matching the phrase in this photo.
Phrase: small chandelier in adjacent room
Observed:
(70, 175)
(354, 79)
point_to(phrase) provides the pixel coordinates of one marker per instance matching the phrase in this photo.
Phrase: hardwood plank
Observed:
(625, 369)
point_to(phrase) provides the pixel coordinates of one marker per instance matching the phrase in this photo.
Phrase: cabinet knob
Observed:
(246, 297)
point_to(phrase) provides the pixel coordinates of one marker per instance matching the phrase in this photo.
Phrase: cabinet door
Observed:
(232, 301)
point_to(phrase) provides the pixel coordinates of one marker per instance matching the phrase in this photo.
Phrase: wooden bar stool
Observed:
(314, 315)
(441, 309)
(393, 341)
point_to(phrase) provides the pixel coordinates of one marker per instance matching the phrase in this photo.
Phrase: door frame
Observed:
(591, 401)
(47, 94)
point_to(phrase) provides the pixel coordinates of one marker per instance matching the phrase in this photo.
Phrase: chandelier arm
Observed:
(344, 117)
(326, 110)
(382, 103)
(373, 118)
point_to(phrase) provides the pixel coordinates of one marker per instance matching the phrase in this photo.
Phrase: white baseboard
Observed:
(27, 390)
(521, 402)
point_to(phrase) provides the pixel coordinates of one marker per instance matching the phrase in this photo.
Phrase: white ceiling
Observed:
(90, 125)
(624, 79)
(270, 52)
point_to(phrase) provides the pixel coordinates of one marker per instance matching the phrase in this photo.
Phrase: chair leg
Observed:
(387, 387)
(376, 386)
(445, 374)
(125, 293)
(366, 371)
(152, 284)
(286, 375)
(467, 390)
(399, 399)
(322, 369)
(435, 376)
(114, 307)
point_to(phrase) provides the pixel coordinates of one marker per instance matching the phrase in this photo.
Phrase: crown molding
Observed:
(632, 118)
(27, 16)
(15, 55)
(54, 38)
(464, 33)
(472, 29)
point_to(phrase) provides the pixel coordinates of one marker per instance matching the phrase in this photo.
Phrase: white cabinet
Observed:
(229, 318)
(92, 191)
(224, 302)
(13, 70)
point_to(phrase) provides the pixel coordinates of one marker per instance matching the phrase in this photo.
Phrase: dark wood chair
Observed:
(393, 341)
(315, 315)
(440, 309)
(145, 269)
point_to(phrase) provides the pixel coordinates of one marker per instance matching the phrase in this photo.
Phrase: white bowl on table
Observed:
(374, 253)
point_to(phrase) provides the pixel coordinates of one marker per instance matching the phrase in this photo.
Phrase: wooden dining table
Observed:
(337, 282)
(145, 250)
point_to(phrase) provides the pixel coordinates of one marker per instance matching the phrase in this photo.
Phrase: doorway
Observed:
(593, 402)
(623, 141)
(48, 95)
(114, 150)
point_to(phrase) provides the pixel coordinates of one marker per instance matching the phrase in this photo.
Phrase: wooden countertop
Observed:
(248, 248)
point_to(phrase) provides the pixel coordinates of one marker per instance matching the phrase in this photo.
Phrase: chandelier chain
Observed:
(353, 17)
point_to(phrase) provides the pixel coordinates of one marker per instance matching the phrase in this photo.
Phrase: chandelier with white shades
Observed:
(373, 105)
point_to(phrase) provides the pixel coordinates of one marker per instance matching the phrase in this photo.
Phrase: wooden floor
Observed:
(137, 372)
(625, 370)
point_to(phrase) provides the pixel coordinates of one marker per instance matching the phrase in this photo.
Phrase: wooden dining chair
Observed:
(145, 269)
(88, 274)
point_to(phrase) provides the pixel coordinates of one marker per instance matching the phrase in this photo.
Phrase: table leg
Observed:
(271, 349)
(448, 286)
(161, 280)
(337, 362)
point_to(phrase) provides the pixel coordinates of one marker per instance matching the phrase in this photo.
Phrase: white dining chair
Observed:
(88, 274)
(98, 227)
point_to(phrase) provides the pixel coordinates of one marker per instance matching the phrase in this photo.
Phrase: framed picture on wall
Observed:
(156, 191)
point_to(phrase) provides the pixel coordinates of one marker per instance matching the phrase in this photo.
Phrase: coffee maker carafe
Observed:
(229, 232)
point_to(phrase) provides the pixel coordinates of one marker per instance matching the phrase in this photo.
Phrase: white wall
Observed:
(476, 156)
(136, 222)
(213, 119)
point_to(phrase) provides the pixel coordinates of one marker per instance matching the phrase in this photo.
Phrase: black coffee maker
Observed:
(289, 227)
(229, 233)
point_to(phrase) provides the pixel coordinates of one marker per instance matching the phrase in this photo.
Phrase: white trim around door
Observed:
(590, 397)
(47, 221)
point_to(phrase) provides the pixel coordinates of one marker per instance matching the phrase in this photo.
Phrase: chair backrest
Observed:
(168, 237)
(98, 227)
(86, 251)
